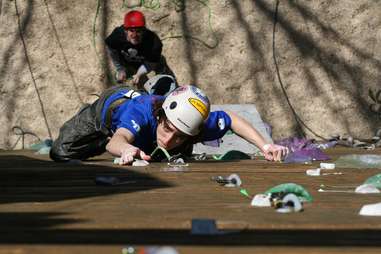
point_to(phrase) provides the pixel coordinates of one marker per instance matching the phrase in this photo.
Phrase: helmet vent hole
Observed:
(173, 105)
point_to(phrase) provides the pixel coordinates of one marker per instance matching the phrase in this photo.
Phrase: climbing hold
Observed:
(232, 155)
(291, 188)
(261, 200)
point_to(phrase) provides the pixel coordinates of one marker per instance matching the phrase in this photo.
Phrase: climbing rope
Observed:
(100, 60)
(298, 120)
(94, 29)
(70, 72)
(17, 130)
(30, 70)
(213, 33)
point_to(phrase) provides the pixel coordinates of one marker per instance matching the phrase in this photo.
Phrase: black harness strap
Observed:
(127, 96)
(110, 110)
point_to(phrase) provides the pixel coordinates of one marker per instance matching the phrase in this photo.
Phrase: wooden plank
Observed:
(58, 204)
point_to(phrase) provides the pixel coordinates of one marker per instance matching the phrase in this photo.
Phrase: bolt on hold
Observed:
(231, 181)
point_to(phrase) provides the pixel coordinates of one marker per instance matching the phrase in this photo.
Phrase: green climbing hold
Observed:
(374, 180)
(232, 155)
(41, 144)
(157, 149)
(42, 147)
(245, 193)
(296, 189)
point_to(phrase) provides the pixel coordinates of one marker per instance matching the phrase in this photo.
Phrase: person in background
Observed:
(135, 50)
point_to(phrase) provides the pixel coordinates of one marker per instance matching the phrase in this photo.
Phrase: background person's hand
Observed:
(136, 79)
(121, 76)
(274, 152)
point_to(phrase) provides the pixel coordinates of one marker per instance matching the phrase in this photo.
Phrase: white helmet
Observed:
(187, 108)
(160, 85)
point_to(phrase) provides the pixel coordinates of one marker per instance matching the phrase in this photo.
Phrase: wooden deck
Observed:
(48, 207)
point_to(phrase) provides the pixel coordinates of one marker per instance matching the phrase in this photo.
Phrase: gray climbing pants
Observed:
(83, 136)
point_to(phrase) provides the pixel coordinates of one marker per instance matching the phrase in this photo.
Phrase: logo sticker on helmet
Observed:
(200, 106)
(200, 94)
(179, 90)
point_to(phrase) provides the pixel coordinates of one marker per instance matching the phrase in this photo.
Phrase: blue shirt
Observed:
(217, 124)
(137, 116)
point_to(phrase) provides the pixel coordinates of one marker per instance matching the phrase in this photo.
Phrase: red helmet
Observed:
(134, 19)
